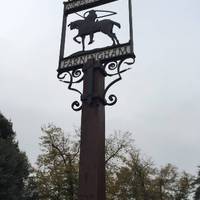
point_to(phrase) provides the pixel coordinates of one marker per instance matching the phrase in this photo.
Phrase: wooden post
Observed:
(92, 148)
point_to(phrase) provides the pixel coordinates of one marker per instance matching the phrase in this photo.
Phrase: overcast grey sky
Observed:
(159, 99)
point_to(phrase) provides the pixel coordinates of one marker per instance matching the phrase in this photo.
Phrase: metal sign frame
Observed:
(102, 55)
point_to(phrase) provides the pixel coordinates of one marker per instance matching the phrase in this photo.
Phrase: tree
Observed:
(197, 185)
(134, 180)
(172, 185)
(166, 182)
(117, 147)
(31, 190)
(129, 175)
(184, 186)
(14, 167)
(57, 173)
(6, 131)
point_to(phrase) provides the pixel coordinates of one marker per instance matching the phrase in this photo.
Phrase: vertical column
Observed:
(63, 36)
(92, 148)
(131, 24)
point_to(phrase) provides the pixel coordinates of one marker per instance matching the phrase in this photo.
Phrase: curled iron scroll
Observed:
(114, 69)
(110, 69)
(71, 78)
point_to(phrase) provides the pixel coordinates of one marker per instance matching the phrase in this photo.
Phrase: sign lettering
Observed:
(103, 55)
(84, 4)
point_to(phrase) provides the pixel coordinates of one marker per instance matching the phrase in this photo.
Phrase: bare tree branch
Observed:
(115, 153)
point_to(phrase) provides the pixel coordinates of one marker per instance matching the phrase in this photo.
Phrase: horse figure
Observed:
(85, 29)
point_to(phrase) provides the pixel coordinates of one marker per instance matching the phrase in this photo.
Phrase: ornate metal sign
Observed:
(89, 59)
(89, 24)
(83, 27)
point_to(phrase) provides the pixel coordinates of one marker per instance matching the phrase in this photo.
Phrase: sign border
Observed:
(96, 50)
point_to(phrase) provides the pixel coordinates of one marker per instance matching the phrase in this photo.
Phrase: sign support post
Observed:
(92, 155)
(91, 67)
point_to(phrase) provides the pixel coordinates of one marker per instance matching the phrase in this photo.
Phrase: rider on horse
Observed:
(90, 25)
(91, 19)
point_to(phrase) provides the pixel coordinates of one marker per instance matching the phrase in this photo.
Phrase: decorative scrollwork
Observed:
(112, 65)
(114, 69)
(76, 73)
(111, 69)
(76, 106)
(112, 100)
(71, 78)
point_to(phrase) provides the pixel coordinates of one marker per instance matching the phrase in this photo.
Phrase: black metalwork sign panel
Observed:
(83, 26)
(97, 37)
